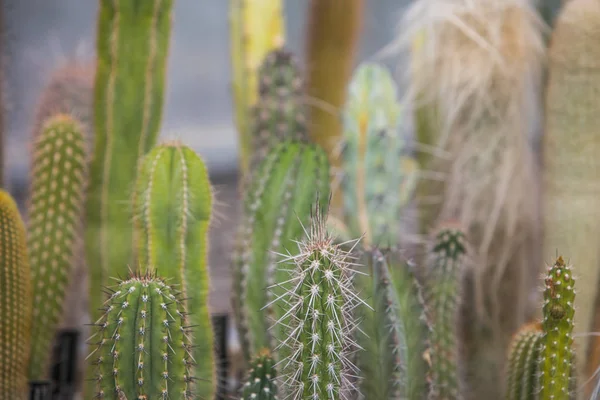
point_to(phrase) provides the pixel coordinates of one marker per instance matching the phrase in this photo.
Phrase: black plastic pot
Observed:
(40, 390)
(64, 366)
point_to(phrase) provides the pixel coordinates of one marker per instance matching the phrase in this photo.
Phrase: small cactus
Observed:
(15, 302)
(523, 361)
(260, 384)
(143, 346)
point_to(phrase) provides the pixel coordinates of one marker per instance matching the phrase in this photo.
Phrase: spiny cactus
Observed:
(260, 384)
(393, 333)
(15, 302)
(319, 323)
(523, 361)
(143, 343)
(378, 173)
(172, 211)
(276, 207)
(556, 361)
(55, 216)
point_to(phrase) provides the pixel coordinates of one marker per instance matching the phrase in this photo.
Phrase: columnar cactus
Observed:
(56, 207)
(15, 302)
(143, 343)
(172, 211)
(523, 361)
(260, 384)
(276, 207)
(318, 319)
(391, 361)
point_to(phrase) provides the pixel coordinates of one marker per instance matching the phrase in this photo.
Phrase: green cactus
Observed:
(143, 345)
(260, 384)
(375, 157)
(55, 215)
(319, 305)
(394, 341)
(132, 48)
(15, 302)
(172, 211)
(523, 361)
(556, 361)
(276, 207)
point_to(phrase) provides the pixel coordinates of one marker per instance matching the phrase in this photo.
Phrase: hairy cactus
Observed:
(276, 207)
(15, 302)
(143, 343)
(395, 334)
(523, 361)
(260, 384)
(172, 211)
(59, 178)
(556, 361)
(379, 176)
(319, 324)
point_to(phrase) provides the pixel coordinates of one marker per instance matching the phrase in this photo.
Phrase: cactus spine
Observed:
(276, 207)
(394, 341)
(15, 302)
(59, 178)
(260, 384)
(143, 346)
(523, 363)
(172, 211)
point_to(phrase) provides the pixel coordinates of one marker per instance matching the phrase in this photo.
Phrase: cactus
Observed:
(260, 384)
(257, 27)
(523, 363)
(556, 369)
(276, 207)
(319, 324)
(55, 216)
(374, 157)
(172, 211)
(15, 302)
(143, 346)
(391, 360)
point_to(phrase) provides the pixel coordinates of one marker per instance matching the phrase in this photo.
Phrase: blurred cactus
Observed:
(143, 344)
(260, 384)
(523, 362)
(15, 302)
(172, 211)
(55, 216)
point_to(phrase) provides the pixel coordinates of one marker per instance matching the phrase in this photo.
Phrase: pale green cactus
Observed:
(260, 384)
(523, 361)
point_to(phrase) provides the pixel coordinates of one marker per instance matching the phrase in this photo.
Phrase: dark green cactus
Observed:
(260, 384)
(143, 343)
(523, 361)
(391, 361)
(172, 211)
(15, 302)
(55, 216)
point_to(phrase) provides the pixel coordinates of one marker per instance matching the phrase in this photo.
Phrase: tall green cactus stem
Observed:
(523, 361)
(56, 208)
(172, 211)
(320, 302)
(391, 361)
(556, 368)
(570, 149)
(444, 285)
(260, 384)
(15, 302)
(143, 345)
(378, 174)
(276, 207)
(132, 47)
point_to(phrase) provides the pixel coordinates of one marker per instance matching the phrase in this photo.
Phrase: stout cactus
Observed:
(523, 361)
(59, 177)
(15, 302)
(172, 211)
(143, 344)
(276, 207)
(260, 384)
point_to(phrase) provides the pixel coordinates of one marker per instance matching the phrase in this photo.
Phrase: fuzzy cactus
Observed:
(276, 207)
(318, 321)
(143, 345)
(391, 361)
(55, 216)
(172, 211)
(523, 361)
(260, 384)
(15, 302)
(379, 175)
